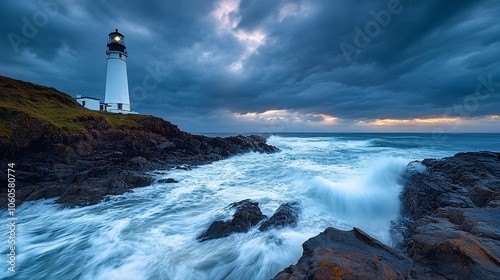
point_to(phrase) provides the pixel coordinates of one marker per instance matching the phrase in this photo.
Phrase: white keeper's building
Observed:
(89, 102)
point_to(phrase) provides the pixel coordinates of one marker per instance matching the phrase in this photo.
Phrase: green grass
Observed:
(4, 130)
(120, 120)
(51, 106)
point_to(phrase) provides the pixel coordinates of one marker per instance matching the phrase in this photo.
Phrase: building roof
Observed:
(116, 32)
(86, 97)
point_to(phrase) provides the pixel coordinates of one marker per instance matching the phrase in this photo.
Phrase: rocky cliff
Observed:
(451, 222)
(64, 150)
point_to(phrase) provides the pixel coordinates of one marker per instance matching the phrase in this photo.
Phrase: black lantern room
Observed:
(116, 42)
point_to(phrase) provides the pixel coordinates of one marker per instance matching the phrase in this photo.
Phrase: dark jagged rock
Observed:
(443, 249)
(451, 214)
(286, 215)
(247, 215)
(466, 180)
(337, 254)
(84, 155)
(168, 181)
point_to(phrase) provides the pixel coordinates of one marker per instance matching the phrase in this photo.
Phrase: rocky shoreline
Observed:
(450, 220)
(83, 168)
(451, 229)
(61, 149)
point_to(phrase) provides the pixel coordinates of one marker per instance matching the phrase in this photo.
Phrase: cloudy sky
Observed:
(273, 65)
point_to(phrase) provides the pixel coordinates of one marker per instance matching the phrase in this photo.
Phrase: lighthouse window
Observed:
(120, 55)
(120, 106)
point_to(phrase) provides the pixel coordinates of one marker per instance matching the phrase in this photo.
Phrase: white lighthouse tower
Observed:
(116, 97)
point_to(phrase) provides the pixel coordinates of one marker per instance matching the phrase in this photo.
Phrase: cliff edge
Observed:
(61, 149)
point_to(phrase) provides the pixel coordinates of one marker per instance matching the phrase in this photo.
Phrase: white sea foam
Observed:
(341, 181)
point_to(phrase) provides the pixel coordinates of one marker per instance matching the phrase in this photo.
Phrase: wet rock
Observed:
(442, 248)
(451, 218)
(168, 181)
(166, 145)
(337, 254)
(246, 216)
(485, 192)
(95, 189)
(286, 215)
(140, 163)
(135, 179)
(450, 214)
(40, 192)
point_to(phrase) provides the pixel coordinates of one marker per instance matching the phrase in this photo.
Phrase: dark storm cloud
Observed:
(187, 59)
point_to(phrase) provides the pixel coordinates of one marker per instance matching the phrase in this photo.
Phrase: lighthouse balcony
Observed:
(116, 48)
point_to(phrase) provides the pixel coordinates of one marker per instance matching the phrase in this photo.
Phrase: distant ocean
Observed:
(341, 180)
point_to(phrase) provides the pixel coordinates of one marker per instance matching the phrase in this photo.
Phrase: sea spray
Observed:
(151, 232)
(371, 199)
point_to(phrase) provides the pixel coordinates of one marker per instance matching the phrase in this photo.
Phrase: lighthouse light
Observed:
(117, 39)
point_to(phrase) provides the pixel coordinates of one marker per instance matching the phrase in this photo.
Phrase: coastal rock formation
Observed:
(62, 149)
(168, 181)
(286, 215)
(247, 215)
(467, 180)
(337, 254)
(451, 214)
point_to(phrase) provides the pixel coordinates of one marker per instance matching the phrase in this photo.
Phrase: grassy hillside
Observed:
(40, 104)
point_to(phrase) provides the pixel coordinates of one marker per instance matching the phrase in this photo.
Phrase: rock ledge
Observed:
(450, 216)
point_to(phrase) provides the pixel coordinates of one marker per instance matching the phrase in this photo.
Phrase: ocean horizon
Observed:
(340, 180)
(250, 140)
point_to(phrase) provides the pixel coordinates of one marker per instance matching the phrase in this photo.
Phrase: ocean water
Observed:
(341, 180)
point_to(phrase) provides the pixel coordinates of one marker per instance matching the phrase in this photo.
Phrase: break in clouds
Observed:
(272, 65)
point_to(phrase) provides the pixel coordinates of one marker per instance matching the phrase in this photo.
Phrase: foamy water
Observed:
(341, 181)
